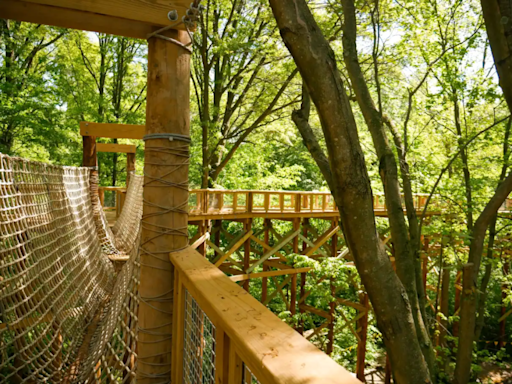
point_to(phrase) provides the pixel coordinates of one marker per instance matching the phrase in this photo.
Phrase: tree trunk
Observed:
(351, 187)
(470, 280)
(405, 263)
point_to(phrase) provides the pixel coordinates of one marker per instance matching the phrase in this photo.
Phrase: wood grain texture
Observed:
(273, 351)
(118, 148)
(112, 131)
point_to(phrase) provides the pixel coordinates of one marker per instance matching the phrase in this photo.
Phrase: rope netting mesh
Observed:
(65, 315)
(128, 222)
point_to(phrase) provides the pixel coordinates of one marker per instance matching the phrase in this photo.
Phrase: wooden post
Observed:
(361, 346)
(332, 304)
(165, 217)
(218, 230)
(305, 224)
(90, 159)
(503, 334)
(130, 167)
(201, 229)
(455, 329)
(425, 263)
(247, 251)
(293, 289)
(264, 281)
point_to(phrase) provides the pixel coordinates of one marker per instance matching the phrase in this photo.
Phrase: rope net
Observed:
(65, 315)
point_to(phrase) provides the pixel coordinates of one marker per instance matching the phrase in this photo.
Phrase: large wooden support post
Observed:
(165, 217)
(130, 167)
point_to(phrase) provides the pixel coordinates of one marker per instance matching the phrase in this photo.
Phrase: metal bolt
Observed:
(173, 15)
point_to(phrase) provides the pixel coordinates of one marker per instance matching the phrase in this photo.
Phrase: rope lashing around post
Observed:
(189, 19)
(170, 136)
(177, 147)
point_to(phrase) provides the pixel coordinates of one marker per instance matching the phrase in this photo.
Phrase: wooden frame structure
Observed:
(251, 344)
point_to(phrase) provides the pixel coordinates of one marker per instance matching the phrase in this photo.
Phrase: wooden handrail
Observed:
(246, 332)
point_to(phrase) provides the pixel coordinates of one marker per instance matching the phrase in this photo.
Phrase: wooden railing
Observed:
(221, 334)
(217, 201)
(120, 195)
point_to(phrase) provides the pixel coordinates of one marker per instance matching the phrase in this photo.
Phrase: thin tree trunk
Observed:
(352, 191)
(407, 269)
(470, 280)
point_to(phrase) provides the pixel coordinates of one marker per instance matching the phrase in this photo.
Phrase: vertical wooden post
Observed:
(90, 159)
(425, 263)
(332, 304)
(165, 217)
(130, 167)
(503, 334)
(218, 231)
(264, 281)
(455, 329)
(201, 229)
(293, 288)
(247, 251)
(361, 346)
(305, 224)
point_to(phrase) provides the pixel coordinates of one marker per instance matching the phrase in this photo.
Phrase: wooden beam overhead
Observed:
(130, 18)
(112, 131)
(116, 148)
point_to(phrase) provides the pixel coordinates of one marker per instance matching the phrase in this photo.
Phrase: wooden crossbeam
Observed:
(232, 250)
(267, 247)
(311, 244)
(280, 286)
(112, 131)
(505, 316)
(281, 272)
(317, 330)
(200, 240)
(272, 251)
(116, 148)
(352, 304)
(321, 241)
(315, 311)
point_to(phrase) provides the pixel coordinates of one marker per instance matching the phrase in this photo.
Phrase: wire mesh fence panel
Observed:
(199, 345)
(248, 377)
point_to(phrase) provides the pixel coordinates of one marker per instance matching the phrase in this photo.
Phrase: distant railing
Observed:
(218, 201)
(221, 334)
(222, 202)
(120, 195)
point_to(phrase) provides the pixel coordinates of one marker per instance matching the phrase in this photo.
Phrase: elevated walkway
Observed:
(68, 316)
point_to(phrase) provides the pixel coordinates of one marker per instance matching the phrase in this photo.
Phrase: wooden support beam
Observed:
(285, 240)
(133, 18)
(113, 131)
(321, 241)
(200, 240)
(232, 250)
(116, 148)
(165, 217)
(264, 282)
(293, 285)
(290, 271)
(130, 166)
